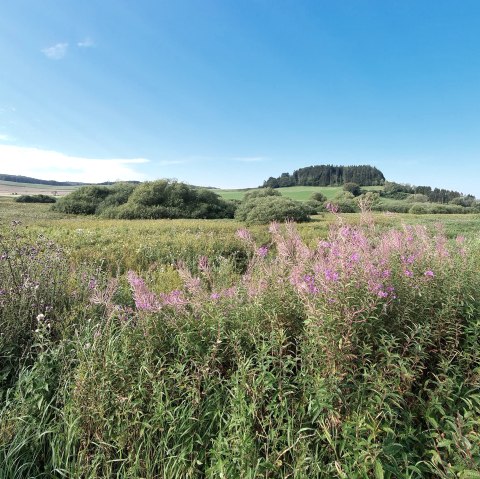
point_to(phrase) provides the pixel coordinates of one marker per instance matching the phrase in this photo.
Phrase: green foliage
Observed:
(466, 201)
(262, 210)
(328, 175)
(417, 198)
(35, 199)
(318, 196)
(149, 200)
(424, 209)
(84, 201)
(314, 207)
(353, 188)
(261, 193)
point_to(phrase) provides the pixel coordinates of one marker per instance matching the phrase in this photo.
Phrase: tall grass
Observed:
(352, 356)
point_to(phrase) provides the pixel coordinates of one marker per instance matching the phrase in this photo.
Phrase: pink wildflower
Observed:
(262, 251)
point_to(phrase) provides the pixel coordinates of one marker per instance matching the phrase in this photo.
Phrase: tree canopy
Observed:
(328, 175)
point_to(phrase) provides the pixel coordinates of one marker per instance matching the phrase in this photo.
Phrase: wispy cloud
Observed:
(4, 137)
(56, 52)
(53, 165)
(251, 159)
(171, 162)
(86, 43)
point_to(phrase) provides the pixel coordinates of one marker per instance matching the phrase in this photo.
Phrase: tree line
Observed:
(328, 175)
(434, 195)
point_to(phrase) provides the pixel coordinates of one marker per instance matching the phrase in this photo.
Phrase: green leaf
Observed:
(379, 474)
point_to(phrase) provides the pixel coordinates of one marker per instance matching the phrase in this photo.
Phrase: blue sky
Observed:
(228, 93)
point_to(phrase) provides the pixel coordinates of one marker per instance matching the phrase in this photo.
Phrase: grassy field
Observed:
(346, 347)
(143, 242)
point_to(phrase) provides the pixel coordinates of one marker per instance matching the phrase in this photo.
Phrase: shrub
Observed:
(465, 201)
(261, 193)
(393, 208)
(262, 210)
(314, 207)
(83, 201)
(353, 188)
(35, 199)
(436, 208)
(318, 196)
(417, 198)
(149, 200)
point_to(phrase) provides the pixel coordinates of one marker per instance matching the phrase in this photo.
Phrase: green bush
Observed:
(35, 199)
(393, 208)
(353, 188)
(436, 208)
(261, 193)
(417, 198)
(318, 196)
(314, 206)
(149, 200)
(262, 210)
(83, 201)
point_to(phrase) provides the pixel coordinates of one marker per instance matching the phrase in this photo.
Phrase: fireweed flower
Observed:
(408, 273)
(262, 251)
(429, 274)
(331, 275)
(203, 264)
(244, 234)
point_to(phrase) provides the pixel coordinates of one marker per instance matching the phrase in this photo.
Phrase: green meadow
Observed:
(345, 347)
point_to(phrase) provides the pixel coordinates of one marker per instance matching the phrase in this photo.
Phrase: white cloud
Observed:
(4, 137)
(86, 43)
(53, 165)
(56, 52)
(170, 162)
(250, 159)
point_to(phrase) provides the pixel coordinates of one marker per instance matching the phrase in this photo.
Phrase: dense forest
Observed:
(328, 175)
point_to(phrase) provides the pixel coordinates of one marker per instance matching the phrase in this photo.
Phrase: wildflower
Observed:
(408, 273)
(203, 264)
(332, 208)
(244, 234)
(429, 274)
(40, 317)
(331, 275)
(214, 296)
(262, 251)
(382, 294)
(354, 257)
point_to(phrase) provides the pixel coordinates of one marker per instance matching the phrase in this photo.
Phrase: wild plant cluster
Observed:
(356, 356)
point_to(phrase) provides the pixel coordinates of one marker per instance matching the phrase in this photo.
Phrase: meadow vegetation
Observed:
(344, 347)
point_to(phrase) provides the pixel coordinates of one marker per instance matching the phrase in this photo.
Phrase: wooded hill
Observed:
(328, 175)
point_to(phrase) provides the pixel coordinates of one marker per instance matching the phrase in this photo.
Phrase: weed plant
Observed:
(355, 355)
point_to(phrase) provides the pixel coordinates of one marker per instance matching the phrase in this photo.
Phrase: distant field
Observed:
(12, 188)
